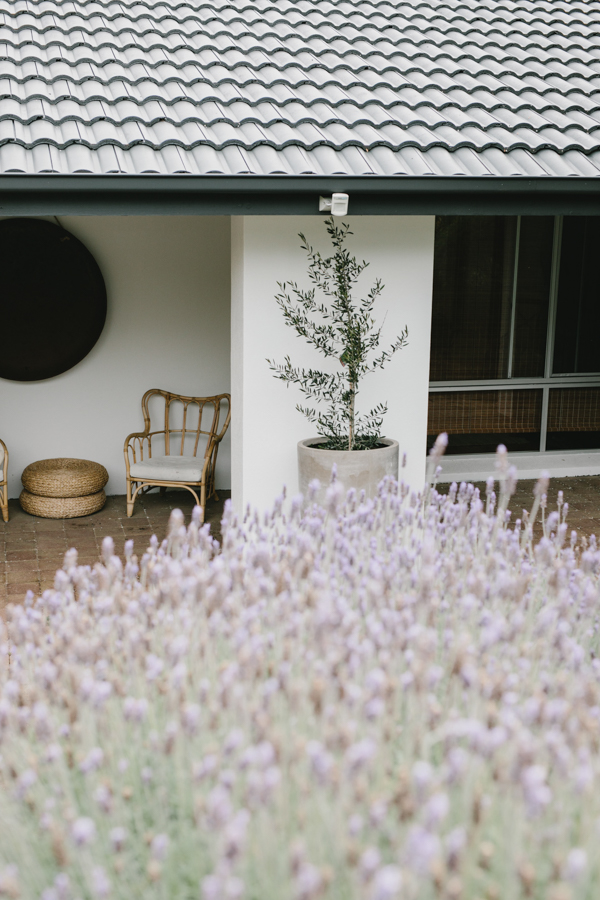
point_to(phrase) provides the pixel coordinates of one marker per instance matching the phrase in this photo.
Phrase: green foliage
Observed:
(340, 328)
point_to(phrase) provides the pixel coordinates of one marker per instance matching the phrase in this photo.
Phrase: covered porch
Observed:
(191, 310)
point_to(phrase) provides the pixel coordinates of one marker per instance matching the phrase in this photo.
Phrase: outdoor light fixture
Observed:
(337, 204)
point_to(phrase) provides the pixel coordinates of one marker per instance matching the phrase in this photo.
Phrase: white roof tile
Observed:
(413, 87)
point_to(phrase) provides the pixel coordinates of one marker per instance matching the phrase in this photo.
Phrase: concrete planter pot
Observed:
(358, 469)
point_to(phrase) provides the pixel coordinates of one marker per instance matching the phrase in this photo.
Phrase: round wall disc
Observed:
(52, 300)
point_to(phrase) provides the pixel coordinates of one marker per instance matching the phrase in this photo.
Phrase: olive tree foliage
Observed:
(340, 328)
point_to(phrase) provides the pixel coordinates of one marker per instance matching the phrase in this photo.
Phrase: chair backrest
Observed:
(187, 424)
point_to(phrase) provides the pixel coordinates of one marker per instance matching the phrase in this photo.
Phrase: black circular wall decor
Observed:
(52, 300)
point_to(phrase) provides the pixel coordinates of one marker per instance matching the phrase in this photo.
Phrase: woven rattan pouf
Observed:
(63, 488)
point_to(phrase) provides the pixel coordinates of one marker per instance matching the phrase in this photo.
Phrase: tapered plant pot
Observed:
(358, 469)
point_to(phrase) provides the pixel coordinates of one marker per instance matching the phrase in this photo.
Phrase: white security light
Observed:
(337, 204)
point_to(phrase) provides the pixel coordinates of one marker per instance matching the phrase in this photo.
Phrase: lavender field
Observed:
(387, 699)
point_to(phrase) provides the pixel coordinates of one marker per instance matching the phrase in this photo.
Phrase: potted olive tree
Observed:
(343, 330)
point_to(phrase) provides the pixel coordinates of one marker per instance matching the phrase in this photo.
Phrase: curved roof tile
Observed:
(381, 87)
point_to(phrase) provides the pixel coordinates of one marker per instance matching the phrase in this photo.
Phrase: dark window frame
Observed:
(549, 380)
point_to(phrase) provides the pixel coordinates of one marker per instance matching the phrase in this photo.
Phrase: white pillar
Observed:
(265, 424)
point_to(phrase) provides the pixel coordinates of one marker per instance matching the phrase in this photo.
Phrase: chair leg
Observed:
(130, 499)
(162, 491)
(202, 502)
(5, 513)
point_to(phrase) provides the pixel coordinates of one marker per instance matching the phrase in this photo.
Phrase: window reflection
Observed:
(578, 303)
(472, 296)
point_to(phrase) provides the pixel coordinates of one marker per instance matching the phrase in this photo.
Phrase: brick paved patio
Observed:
(582, 493)
(32, 549)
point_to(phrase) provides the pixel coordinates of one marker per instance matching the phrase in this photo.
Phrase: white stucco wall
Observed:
(168, 326)
(267, 426)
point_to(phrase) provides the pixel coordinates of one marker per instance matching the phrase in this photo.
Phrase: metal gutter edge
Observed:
(29, 195)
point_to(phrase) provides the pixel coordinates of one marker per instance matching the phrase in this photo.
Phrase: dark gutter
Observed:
(36, 195)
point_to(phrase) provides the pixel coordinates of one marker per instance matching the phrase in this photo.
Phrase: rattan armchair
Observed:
(182, 452)
(3, 480)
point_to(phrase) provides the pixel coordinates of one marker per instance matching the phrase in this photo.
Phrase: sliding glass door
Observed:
(515, 352)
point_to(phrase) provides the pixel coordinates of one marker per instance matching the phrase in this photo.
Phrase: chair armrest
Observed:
(3, 462)
(135, 442)
(217, 438)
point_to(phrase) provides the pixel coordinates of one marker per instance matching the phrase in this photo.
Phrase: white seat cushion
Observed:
(168, 468)
(1, 462)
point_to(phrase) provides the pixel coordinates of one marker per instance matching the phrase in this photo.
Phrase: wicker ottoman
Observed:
(63, 488)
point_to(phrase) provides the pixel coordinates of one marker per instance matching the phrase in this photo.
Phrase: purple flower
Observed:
(154, 667)
(536, 792)
(455, 843)
(9, 882)
(204, 768)
(435, 810)
(421, 849)
(369, 863)
(575, 865)
(25, 782)
(422, 773)
(43, 728)
(219, 807)
(135, 710)
(234, 835)
(92, 761)
(355, 825)
(118, 836)
(178, 648)
(320, 760)
(83, 831)
(159, 846)
(190, 718)
(308, 882)
(360, 754)
(103, 797)
(222, 887)
(101, 886)
(233, 740)
(386, 883)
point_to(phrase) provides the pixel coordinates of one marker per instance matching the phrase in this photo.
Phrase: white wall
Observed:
(168, 326)
(267, 426)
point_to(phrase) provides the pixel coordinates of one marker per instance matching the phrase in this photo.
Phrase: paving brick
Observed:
(18, 590)
(30, 553)
(22, 577)
(37, 552)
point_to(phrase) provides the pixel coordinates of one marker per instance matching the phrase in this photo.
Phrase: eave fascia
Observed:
(36, 195)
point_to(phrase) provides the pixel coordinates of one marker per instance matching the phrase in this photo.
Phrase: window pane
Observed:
(532, 296)
(477, 421)
(576, 346)
(472, 296)
(573, 419)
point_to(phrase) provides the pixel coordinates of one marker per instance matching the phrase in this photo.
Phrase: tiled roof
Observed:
(293, 87)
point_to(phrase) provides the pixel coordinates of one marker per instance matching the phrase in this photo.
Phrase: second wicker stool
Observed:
(63, 488)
